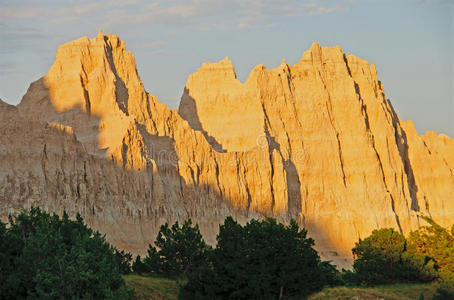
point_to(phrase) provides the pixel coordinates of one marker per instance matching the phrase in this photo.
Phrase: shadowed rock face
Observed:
(317, 141)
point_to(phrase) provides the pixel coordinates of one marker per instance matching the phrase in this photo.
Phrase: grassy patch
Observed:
(385, 292)
(156, 288)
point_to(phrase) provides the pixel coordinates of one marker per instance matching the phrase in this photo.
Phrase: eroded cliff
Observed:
(317, 141)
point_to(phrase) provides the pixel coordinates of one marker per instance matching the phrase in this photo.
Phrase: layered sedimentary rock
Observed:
(351, 165)
(317, 141)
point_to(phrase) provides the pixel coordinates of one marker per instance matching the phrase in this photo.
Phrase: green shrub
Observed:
(437, 242)
(124, 260)
(383, 258)
(180, 249)
(138, 266)
(45, 257)
(261, 260)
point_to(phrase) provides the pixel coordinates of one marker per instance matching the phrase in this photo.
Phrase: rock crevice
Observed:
(317, 141)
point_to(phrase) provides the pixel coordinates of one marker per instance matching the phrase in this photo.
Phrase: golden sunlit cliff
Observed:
(317, 141)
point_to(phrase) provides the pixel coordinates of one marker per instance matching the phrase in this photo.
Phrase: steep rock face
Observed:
(317, 141)
(348, 159)
(43, 164)
(221, 94)
(431, 158)
(179, 175)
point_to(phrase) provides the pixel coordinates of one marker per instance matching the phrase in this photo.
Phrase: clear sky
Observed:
(410, 41)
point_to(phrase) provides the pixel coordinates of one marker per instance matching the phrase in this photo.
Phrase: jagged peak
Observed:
(355, 66)
(226, 59)
(315, 54)
(434, 135)
(222, 64)
(97, 76)
(224, 67)
(100, 34)
(259, 67)
(88, 53)
(315, 46)
(357, 60)
(319, 53)
(283, 66)
(101, 40)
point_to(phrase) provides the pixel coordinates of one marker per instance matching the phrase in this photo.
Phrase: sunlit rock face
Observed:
(317, 141)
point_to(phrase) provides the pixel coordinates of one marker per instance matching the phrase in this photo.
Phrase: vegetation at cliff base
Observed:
(437, 243)
(43, 256)
(386, 256)
(260, 260)
(159, 288)
(176, 252)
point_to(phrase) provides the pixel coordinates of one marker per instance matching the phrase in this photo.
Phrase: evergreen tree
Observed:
(262, 260)
(139, 267)
(124, 260)
(180, 249)
(44, 256)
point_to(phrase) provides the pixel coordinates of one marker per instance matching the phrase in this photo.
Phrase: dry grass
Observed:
(155, 288)
(158, 288)
(385, 292)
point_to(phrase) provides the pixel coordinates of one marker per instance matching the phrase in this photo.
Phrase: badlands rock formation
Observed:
(317, 141)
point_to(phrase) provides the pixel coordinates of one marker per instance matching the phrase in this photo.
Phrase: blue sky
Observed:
(410, 41)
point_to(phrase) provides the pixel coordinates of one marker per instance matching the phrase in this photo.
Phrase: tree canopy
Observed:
(437, 242)
(47, 257)
(383, 257)
(261, 260)
(387, 256)
(177, 250)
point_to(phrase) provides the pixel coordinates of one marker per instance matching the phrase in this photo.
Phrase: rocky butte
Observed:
(317, 141)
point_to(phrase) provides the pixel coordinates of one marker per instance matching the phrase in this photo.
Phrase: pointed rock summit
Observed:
(93, 83)
(317, 141)
(100, 34)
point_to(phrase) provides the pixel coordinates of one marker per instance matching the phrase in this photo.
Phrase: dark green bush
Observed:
(180, 249)
(383, 258)
(139, 267)
(124, 260)
(261, 260)
(43, 256)
(437, 242)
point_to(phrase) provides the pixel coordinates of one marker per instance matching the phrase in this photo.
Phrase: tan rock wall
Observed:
(317, 141)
